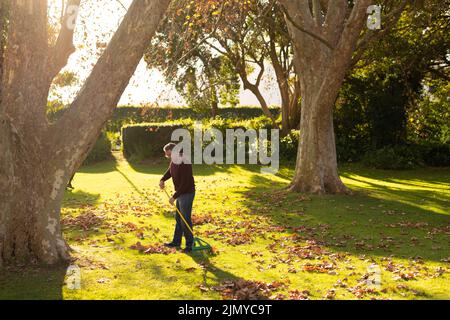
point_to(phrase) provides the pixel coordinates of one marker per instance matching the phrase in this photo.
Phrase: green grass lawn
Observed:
(269, 243)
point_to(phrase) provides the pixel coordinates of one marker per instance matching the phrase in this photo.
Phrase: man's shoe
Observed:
(171, 245)
(187, 250)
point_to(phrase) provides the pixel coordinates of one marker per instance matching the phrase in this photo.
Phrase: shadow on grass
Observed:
(130, 182)
(78, 198)
(378, 220)
(100, 167)
(32, 283)
(198, 170)
(202, 259)
(414, 195)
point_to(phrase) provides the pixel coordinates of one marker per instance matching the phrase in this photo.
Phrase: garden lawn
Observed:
(390, 240)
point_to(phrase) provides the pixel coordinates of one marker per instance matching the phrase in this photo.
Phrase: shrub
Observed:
(100, 152)
(409, 156)
(289, 145)
(394, 157)
(114, 138)
(435, 154)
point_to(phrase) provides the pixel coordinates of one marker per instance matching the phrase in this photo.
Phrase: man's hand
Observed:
(171, 200)
(161, 184)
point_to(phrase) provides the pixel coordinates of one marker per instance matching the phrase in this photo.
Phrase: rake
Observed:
(199, 244)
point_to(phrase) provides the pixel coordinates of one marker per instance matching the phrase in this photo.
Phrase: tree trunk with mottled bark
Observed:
(324, 40)
(328, 37)
(37, 158)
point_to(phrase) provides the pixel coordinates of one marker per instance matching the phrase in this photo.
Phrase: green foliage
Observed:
(289, 145)
(398, 157)
(55, 109)
(398, 93)
(429, 119)
(129, 115)
(116, 141)
(435, 154)
(229, 91)
(409, 156)
(100, 152)
(66, 79)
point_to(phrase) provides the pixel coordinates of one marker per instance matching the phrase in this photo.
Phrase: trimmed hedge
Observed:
(146, 140)
(124, 115)
(129, 115)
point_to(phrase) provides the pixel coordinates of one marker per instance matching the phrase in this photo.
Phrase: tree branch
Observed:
(317, 10)
(308, 32)
(64, 47)
(334, 20)
(392, 19)
(353, 27)
(73, 134)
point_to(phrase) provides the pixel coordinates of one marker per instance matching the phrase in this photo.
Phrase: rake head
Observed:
(201, 245)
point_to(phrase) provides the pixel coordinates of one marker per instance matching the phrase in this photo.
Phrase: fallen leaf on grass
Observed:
(248, 290)
(323, 267)
(152, 248)
(85, 220)
(198, 220)
(299, 295)
(103, 280)
(360, 292)
(331, 294)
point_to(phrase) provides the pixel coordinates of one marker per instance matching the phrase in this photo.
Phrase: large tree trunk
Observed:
(316, 166)
(37, 158)
(323, 49)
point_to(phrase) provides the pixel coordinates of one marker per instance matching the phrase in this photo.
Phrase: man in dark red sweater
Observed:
(183, 181)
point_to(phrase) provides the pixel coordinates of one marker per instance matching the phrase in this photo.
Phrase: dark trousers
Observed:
(184, 205)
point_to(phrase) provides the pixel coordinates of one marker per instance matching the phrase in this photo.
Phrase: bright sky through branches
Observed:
(97, 22)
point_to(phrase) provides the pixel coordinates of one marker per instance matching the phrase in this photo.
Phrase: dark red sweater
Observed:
(182, 177)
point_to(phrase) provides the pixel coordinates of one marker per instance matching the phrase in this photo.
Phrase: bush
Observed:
(348, 150)
(435, 155)
(289, 145)
(409, 156)
(114, 138)
(100, 152)
(395, 157)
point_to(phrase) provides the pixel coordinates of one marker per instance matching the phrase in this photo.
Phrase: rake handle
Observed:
(179, 213)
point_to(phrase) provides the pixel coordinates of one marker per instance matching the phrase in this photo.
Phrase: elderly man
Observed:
(183, 181)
